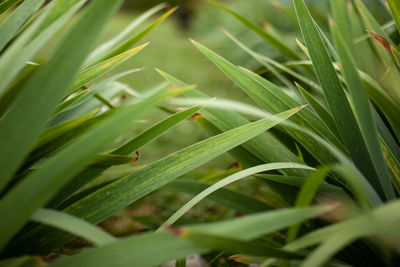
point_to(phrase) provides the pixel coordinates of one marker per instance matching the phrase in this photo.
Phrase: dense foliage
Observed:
(322, 142)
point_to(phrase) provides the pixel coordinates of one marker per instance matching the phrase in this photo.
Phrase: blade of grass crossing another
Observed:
(34, 106)
(255, 225)
(155, 131)
(145, 250)
(234, 200)
(253, 248)
(62, 167)
(73, 225)
(14, 22)
(31, 40)
(271, 98)
(125, 149)
(269, 38)
(264, 146)
(5, 5)
(306, 195)
(97, 70)
(226, 181)
(362, 108)
(205, 150)
(336, 98)
(111, 198)
(325, 116)
(340, 15)
(21, 202)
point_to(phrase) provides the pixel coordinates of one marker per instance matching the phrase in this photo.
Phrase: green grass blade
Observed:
(73, 225)
(306, 195)
(16, 87)
(70, 101)
(109, 160)
(269, 38)
(125, 149)
(253, 226)
(393, 164)
(265, 146)
(57, 137)
(106, 201)
(369, 20)
(241, 154)
(5, 5)
(307, 117)
(230, 199)
(134, 40)
(226, 181)
(14, 22)
(380, 222)
(145, 250)
(166, 170)
(155, 131)
(252, 248)
(325, 116)
(341, 17)
(100, 68)
(388, 77)
(265, 60)
(31, 40)
(298, 181)
(109, 45)
(395, 9)
(362, 108)
(39, 100)
(21, 202)
(271, 98)
(261, 60)
(384, 102)
(374, 222)
(335, 96)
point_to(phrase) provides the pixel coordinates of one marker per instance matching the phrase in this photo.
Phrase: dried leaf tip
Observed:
(386, 44)
(196, 116)
(236, 165)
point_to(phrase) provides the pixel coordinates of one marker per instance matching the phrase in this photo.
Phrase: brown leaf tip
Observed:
(196, 116)
(380, 39)
(236, 164)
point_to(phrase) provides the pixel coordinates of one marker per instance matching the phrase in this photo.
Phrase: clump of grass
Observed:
(330, 162)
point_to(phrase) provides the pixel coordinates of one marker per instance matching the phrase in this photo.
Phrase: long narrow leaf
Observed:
(363, 111)
(226, 181)
(73, 225)
(15, 21)
(335, 96)
(30, 112)
(103, 203)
